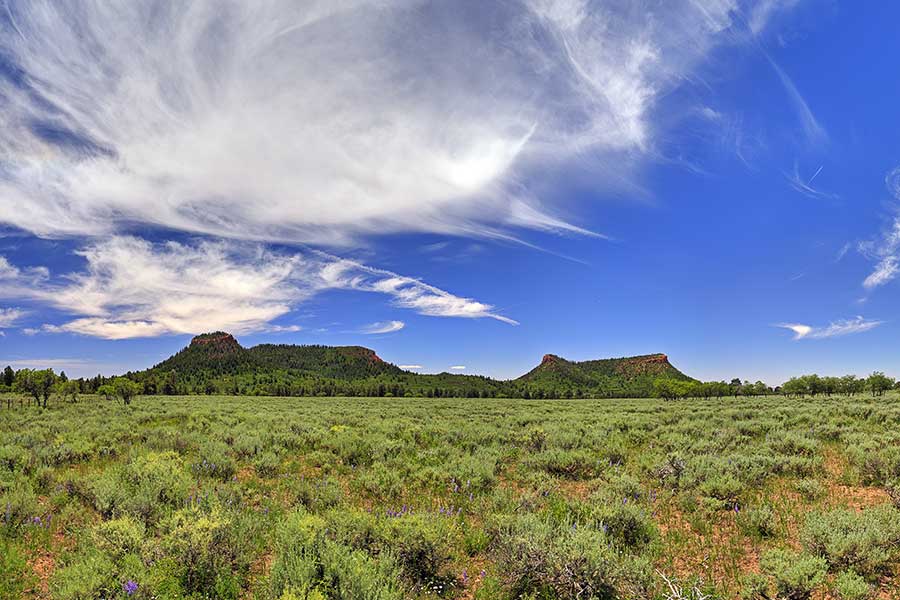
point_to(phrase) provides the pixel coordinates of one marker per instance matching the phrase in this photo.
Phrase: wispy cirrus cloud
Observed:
(382, 327)
(10, 317)
(133, 288)
(814, 133)
(327, 120)
(885, 250)
(834, 329)
(458, 368)
(762, 12)
(805, 186)
(411, 367)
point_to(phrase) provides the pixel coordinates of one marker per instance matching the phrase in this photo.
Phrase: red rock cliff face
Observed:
(642, 365)
(360, 352)
(216, 343)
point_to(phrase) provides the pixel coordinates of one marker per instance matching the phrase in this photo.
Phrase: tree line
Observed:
(39, 386)
(806, 385)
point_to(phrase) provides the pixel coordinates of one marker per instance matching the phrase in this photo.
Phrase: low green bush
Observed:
(14, 578)
(866, 541)
(309, 564)
(850, 586)
(758, 521)
(796, 576)
(544, 560)
(90, 574)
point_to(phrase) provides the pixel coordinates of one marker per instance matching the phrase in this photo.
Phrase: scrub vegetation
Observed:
(376, 498)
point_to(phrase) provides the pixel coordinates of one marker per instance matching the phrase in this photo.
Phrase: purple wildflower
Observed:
(130, 587)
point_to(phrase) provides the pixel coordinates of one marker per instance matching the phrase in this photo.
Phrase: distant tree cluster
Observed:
(806, 385)
(367, 378)
(40, 386)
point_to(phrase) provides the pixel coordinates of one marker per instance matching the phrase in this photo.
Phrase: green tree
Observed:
(68, 390)
(39, 384)
(878, 383)
(9, 376)
(107, 391)
(126, 389)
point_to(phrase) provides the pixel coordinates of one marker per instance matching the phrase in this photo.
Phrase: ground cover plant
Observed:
(358, 498)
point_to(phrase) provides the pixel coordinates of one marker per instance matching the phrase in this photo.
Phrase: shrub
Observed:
(810, 489)
(318, 494)
(867, 541)
(758, 520)
(563, 562)
(267, 464)
(120, 536)
(18, 503)
(755, 587)
(571, 464)
(722, 487)
(203, 546)
(850, 586)
(627, 525)
(421, 546)
(90, 575)
(795, 575)
(13, 569)
(153, 482)
(307, 563)
(214, 461)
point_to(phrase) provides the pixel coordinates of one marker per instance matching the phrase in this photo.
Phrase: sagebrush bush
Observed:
(90, 574)
(214, 461)
(758, 520)
(850, 586)
(628, 525)
(307, 564)
(796, 576)
(809, 489)
(866, 541)
(153, 482)
(119, 537)
(565, 562)
(14, 575)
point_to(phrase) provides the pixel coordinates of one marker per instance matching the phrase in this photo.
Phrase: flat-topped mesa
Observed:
(218, 341)
(550, 359)
(361, 352)
(651, 363)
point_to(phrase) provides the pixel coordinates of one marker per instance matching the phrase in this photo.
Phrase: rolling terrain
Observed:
(217, 363)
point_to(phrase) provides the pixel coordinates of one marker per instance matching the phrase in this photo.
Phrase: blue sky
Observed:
(471, 186)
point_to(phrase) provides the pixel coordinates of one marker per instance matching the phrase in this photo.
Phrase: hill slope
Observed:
(217, 363)
(628, 376)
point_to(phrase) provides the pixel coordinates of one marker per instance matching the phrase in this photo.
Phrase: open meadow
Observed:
(356, 498)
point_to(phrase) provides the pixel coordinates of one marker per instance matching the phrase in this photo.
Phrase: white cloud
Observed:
(406, 292)
(10, 316)
(835, 329)
(886, 254)
(763, 11)
(814, 132)
(458, 368)
(383, 327)
(805, 187)
(325, 120)
(411, 367)
(283, 329)
(132, 288)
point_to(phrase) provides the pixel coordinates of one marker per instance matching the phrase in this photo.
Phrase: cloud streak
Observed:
(131, 288)
(10, 317)
(383, 327)
(327, 120)
(834, 329)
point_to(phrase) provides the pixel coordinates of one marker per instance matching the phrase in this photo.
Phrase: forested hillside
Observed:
(217, 363)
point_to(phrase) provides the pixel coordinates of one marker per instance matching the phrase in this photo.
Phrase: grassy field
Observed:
(293, 499)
